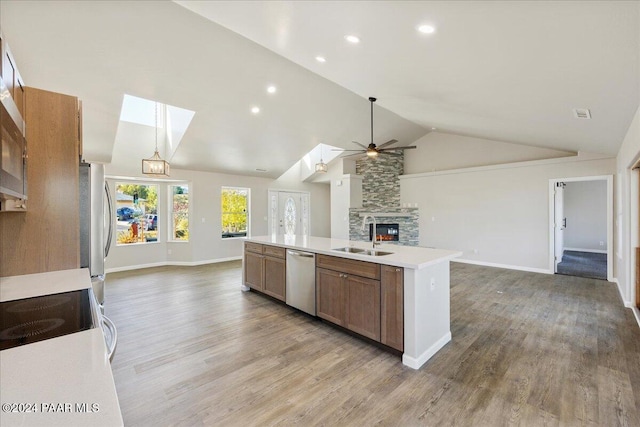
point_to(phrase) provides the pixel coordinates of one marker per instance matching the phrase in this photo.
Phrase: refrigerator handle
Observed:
(109, 219)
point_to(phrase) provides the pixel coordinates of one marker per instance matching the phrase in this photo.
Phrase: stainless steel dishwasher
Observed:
(301, 281)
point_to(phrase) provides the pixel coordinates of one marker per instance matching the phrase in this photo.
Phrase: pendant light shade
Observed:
(322, 166)
(155, 165)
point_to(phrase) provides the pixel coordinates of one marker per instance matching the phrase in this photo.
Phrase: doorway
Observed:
(289, 213)
(581, 226)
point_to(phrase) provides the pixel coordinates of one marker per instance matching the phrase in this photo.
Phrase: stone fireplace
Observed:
(381, 198)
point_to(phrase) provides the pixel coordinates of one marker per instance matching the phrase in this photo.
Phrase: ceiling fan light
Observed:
(372, 153)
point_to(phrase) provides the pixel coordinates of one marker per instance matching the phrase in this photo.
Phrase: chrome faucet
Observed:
(374, 236)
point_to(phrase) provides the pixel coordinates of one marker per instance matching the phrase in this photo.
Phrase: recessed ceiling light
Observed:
(433, 128)
(260, 170)
(352, 39)
(271, 89)
(255, 110)
(426, 29)
(320, 59)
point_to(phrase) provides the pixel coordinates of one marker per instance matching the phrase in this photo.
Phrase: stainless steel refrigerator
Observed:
(96, 231)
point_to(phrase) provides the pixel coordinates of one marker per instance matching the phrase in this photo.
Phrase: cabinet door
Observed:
(274, 277)
(330, 295)
(363, 306)
(253, 270)
(392, 310)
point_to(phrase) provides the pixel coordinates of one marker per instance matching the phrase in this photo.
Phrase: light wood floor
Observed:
(528, 349)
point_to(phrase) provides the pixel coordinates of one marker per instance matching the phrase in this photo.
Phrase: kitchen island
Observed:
(425, 305)
(62, 381)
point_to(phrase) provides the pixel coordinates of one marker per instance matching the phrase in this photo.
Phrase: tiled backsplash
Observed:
(381, 195)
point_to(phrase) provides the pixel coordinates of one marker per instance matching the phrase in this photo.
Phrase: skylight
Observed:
(173, 120)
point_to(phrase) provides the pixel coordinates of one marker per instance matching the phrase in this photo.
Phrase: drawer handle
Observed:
(397, 270)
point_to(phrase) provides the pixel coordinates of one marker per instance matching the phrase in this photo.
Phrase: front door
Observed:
(289, 213)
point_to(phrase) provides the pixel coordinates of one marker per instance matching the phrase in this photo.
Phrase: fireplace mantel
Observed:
(387, 214)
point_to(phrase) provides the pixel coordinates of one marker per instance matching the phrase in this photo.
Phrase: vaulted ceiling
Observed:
(508, 71)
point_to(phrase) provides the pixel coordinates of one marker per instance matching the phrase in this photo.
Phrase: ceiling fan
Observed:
(372, 150)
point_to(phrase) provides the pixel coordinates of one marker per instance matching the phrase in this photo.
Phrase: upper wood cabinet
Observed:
(47, 236)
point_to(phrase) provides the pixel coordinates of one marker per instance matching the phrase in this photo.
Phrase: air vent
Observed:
(582, 113)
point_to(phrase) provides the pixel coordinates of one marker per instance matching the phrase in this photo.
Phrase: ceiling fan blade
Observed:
(360, 154)
(392, 141)
(397, 148)
(340, 149)
(356, 142)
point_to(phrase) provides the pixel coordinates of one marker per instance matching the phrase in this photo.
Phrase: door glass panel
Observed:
(290, 216)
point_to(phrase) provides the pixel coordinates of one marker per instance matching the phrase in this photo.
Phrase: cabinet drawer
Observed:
(253, 247)
(274, 251)
(349, 266)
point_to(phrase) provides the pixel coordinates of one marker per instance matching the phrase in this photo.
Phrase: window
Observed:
(136, 213)
(179, 213)
(235, 212)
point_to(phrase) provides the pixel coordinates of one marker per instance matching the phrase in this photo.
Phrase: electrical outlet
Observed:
(168, 251)
(433, 283)
(601, 243)
(475, 251)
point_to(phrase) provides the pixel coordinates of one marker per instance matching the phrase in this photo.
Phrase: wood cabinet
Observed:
(46, 237)
(392, 307)
(362, 314)
(265, 269)
(348, 294)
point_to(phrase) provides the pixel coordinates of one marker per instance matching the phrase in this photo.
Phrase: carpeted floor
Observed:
(583, 264)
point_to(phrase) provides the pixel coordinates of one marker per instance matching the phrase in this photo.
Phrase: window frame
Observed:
(170, 222)
(117, 185)
(247, 213)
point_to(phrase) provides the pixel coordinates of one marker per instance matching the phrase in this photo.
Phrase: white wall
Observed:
(626, 211)
(497, 215)
(585, 207)
(205, 244)
(441, 151)
(346, 192)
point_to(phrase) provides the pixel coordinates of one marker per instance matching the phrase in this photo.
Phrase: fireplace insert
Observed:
(385, 232)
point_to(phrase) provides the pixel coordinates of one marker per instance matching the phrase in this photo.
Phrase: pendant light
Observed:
(155, 165)
(322, 166)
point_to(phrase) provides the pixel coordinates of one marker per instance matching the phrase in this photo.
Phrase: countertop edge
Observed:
(441, 255)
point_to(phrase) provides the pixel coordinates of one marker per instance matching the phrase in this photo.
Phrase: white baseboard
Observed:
(592, 251)
(507, 266)
(417, 362)
(177, 263)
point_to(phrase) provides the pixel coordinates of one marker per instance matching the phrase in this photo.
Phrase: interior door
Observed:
(559, 223)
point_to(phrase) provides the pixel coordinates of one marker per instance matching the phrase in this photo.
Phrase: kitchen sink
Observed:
(350, 250)
(375, 252)
(371, 252)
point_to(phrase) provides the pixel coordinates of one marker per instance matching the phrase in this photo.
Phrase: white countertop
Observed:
(402, 256)
(66, 380)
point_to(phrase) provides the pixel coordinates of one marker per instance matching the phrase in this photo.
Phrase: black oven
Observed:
(385, 232)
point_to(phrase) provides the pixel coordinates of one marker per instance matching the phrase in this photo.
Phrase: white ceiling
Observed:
(509, 71)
